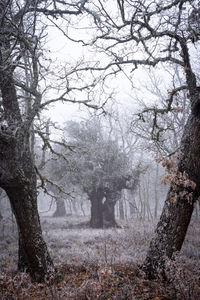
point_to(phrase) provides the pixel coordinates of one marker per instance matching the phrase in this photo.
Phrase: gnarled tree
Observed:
(99, 166)
(154, 34)
(17, 172)
(20, 102)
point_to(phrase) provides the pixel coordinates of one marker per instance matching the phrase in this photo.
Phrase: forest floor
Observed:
(100, 264)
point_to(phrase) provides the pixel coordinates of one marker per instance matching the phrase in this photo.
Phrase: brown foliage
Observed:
(177, 179)
(92, 282)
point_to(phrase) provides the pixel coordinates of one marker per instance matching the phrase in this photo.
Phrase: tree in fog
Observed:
(132, 34)
(98, 165)
(21, 54)
(160, 132)
(17, 173)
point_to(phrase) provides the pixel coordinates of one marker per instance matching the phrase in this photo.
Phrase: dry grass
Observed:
(101, 264)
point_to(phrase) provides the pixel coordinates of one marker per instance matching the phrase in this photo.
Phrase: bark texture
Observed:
(176, 215)
(96, 198)
(18, 178)
(175, 218)
(109, 209)
(60, 208)
(17, 171)
(103, 209)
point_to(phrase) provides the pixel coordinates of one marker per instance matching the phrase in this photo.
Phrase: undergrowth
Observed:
(102, 264)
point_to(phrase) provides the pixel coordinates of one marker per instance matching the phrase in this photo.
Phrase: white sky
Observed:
(62, 50)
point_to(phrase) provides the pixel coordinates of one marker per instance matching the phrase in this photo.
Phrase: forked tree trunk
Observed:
(109, 214)
(96, 199)
(103, 214)
(175, 218)
(109, 209)
(60, 208)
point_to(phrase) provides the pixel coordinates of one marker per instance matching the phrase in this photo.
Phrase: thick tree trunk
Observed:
(60, 208)
(103, 213)
(74, 207)
(22, 261)
(17, 172)
(132, 207)
(109, 214)
(18, 179)
(156, 194)
(121, 209)
(96, 199)
(33, 253)
(109, 208)
(175, 218)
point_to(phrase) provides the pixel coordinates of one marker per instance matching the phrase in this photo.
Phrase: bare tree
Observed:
(132, 34)
(21, 37)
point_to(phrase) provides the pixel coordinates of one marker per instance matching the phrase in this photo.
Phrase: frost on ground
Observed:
(100, 264)
(76, 243)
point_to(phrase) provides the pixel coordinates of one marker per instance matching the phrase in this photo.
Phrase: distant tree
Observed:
(153, 34)
(99, 166)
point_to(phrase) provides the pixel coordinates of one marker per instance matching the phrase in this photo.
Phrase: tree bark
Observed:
(96, 199)
(109, 209)
(22, 261)
(60, 208)
(22, 193)
(109, 214)
(175, 218)
(121, 209)
(18, 179)
(156, 194)
(103, 213)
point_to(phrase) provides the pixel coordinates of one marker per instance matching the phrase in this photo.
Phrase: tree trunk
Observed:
(18, 179)
(156, 194)
(109, 214)
(74, 207)
(175, 218)
(103, 214)
(17, 172)
(60, 208)
(22, 261)
(109, 208)
(121, 209)
(132, 207)
(96, 199)
(33, 253)
(32, 246)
